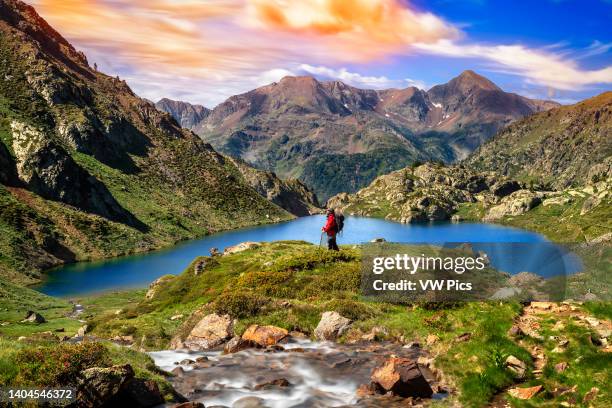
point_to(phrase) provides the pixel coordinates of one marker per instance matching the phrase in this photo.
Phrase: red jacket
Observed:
(330, 226)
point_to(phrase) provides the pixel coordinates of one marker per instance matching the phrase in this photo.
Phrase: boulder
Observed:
(143, 393)
(264, 335)
(210, 332)
(97, 386)
(279, 382)
(518, 367)
(504, 188)
(237, 344)
(249, 402)
(33, 317)
(331, 326)
(177, 371)
(402, 377)
(81, 331)
(516, 203)
(189, 404)
(243, 246)
(524, 393)
(156, 284)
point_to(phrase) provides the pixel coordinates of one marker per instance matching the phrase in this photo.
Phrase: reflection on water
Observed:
(139, 270)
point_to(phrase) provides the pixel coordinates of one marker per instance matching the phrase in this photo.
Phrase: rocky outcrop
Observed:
(516, 203)
(34, 317)
(156, 285)
(331, 326)
(429, 192)
(264, 336)
(237, 344)
(210, 332)
(116, 386)
(47, 169)
(401, 377)
(187, 115)
(243, 246)
(98, 386)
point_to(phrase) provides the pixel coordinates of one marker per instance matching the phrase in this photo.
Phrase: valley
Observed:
(167, 254)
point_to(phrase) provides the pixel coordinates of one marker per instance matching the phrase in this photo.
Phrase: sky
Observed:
(203, 51)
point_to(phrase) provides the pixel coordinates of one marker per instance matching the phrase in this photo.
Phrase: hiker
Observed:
(332, 227)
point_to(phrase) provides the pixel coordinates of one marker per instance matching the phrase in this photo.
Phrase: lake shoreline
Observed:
(137, 271)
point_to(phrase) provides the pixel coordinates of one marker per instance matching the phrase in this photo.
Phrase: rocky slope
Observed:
(433, 192)
(292, 194)
(563, 147)
(336, 137)
(91, 170)
(429, 192)
(187, 115)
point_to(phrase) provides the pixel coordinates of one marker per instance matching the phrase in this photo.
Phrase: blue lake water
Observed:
(509, 249)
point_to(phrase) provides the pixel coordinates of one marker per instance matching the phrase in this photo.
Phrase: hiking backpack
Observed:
(339, 222)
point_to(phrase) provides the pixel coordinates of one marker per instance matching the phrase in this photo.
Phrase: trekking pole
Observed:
(321, 240)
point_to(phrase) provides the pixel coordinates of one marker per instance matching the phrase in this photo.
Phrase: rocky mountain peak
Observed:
(186, 114)
(25, 19)
(470, 80)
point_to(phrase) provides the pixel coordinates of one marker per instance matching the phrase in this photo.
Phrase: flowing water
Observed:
(509, 249)
(318, 375)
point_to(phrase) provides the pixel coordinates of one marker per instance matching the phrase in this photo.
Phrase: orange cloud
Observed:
(386, 22)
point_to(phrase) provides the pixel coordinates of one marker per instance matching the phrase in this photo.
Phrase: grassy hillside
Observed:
(565, 147)
(89, 170)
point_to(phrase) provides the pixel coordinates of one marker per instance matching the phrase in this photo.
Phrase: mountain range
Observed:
(335, 137)
(90, 170)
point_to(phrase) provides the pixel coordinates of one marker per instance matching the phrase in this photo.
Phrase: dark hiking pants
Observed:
(331, 243)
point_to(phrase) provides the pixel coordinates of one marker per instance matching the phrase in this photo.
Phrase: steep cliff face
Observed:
(565, 146)
(88, 169)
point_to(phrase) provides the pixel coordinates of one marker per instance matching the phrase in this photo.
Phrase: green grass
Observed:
(290, 283)
(564, 223)
(16, 301)
(51, 364)
(250, 286)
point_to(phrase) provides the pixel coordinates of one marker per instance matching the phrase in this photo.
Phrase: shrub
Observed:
(239, 304)
(269, 283)
(308, 259)
(351, 309)
(59, 364)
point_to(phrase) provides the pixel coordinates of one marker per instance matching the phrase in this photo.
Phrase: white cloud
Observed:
(536, 66)
(358, 80)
